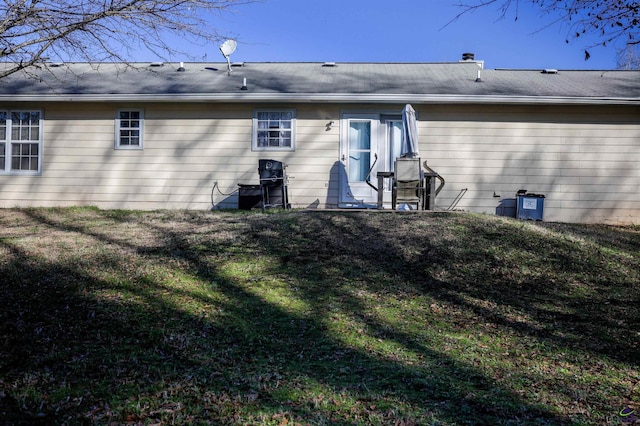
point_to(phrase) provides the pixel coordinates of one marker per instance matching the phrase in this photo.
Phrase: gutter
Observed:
(322, 98)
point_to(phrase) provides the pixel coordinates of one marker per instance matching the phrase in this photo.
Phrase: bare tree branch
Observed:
(609, 21)
(629, 58)
(100, 29)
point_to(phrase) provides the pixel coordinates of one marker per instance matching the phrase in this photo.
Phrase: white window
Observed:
(274, 130)
(20, 142)
(129, 129)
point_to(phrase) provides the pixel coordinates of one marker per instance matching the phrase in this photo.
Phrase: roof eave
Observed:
(323, 98)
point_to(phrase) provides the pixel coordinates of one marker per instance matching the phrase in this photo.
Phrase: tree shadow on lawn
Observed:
(103, 337)
(574, 301)
(576, 293)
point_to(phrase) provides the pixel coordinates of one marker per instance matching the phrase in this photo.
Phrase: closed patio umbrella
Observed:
(409, 147)
(408, 179)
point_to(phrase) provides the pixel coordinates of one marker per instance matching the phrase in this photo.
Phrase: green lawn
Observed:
(319, 318)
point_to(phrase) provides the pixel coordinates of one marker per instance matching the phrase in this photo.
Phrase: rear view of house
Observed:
(161, 136)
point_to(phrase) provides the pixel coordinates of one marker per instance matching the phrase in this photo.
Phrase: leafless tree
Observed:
(32, 31)
(629, 58)
(608, 20)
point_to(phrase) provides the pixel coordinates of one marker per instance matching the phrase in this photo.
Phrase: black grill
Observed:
(273, 184)
(271, 172)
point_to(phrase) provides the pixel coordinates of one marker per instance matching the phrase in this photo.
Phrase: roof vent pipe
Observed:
(468, 56)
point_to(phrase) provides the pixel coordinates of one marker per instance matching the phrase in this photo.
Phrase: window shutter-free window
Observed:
(274, 130)
(20, 142)
(129, 129)
(3, 139)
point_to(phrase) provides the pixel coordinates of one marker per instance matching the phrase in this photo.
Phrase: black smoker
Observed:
(273, 184)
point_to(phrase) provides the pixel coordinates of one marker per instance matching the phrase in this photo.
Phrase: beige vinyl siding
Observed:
(317, 150)
(585, 160)
(308, 167)
(186, 149)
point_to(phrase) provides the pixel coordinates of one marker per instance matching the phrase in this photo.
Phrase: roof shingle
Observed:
(313, 81)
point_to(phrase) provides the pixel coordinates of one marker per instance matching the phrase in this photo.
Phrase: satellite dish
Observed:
(227, 48)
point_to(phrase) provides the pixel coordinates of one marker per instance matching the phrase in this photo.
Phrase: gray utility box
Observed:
(529, 206)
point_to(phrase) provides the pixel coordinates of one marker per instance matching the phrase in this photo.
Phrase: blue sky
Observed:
(400, 31)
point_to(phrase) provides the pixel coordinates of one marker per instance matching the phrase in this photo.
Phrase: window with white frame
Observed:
(129, 129)
(274, 130)
(20, 141)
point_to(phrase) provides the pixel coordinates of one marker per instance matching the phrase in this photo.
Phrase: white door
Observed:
(393, 145)
(369, 144)
(359, 148)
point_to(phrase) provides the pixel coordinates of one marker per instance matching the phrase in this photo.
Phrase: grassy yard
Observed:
(319, 318)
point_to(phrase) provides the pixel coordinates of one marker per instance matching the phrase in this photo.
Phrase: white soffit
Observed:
(322, 98)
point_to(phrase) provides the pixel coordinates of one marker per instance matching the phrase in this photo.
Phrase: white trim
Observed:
(117, 144)
(325, 98)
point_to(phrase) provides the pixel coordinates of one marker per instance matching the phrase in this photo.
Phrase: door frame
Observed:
(356, 195)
